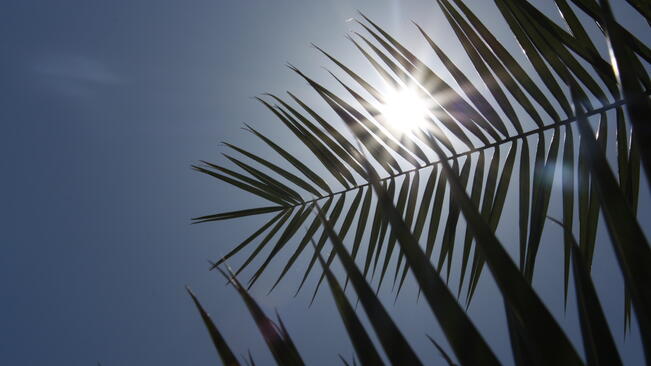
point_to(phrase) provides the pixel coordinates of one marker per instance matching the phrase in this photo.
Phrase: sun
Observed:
(405, 110)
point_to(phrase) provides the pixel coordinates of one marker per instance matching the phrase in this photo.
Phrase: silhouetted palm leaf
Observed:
(472, 150)
(515, 136)
(225, 353)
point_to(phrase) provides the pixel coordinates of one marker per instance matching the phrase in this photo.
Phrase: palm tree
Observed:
(471, 149)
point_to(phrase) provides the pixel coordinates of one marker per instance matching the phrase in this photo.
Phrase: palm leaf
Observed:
(628, 240)
(455, 323)
(444, 354)
(515, 110)
(567, 80)
(397, 348)
(225, 353)
(275, 335)
(597, 339)
(364, 347)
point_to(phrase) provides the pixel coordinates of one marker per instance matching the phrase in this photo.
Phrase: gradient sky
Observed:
(104, 105)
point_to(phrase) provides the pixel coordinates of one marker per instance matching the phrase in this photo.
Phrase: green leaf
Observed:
(403, 138)
(546, 340)
(378, 119)
(523, 199)
(435, 217)
(514, 67)
(292, 160)
(275, 335)
(282, 172)
(334, 216)
(425, 202)
(357, 122)
(309, 233)
(424, 75)
(456, 325)
(410, 211)
(345, 226)
(384, 224)
(225, 353)
(450, 231)
(362, 343)
(628, 240)
(579, 42)
(327, 141)
(474, 48)
(622, 151)
(502, 187)
(265, 240)
(468, 87)
(542, 186)
(475, 196)
(591, 8)
(597, 340)
(638, 105)
(568, 205)
(402, 202)
(521, 355)
(348, 149)
(271, 183)
(444, 354)
(643, 8)
(593, 212)
(375, 238)
(249, 239)
(486, 209)
(395, 345)
(332, 163)
(259, 184)
(328, 161)
(423, 211)
(239, 213)
(492, 210)
(246, 187)
(442, 115)
(554, 52)
(250, 361)
(288, 233)
(362, 221)
(456, 108)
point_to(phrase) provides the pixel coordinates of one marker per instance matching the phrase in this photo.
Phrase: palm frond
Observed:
(224, 351)
(517, 134)
(275, 335)
(472, 150)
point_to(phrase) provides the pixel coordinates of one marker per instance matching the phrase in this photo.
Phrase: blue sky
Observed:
(104, 106)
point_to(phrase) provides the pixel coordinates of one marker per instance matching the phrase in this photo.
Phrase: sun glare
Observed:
(404, 110)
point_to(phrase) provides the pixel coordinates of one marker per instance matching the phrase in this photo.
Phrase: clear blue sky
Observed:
(103, 107)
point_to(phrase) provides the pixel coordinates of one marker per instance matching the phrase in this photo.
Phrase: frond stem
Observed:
(561, 123)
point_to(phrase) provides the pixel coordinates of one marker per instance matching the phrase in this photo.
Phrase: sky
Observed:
(103, 108)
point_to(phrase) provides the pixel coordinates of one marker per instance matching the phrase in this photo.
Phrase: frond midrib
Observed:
(512, 138)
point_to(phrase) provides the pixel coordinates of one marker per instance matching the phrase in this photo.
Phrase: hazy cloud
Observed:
(74, 75)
